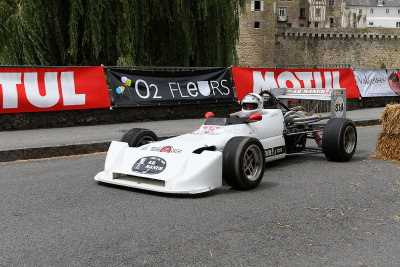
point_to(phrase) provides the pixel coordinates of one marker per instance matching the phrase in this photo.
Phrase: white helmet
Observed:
(252, 103)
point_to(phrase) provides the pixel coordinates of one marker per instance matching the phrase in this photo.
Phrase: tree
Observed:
(123, 32)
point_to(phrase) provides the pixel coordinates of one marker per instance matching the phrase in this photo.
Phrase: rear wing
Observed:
(336, 96)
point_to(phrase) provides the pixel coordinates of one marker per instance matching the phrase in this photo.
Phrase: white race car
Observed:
(233, 148)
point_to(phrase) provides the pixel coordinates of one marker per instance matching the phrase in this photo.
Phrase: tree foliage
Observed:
(119, 32)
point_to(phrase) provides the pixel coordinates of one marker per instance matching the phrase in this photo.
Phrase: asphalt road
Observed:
(306, 212)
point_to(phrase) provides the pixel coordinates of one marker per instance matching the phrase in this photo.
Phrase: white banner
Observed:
(377, 82)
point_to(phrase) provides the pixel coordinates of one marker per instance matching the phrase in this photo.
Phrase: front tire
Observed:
(138, 137)
(339, 140)
(243, 162)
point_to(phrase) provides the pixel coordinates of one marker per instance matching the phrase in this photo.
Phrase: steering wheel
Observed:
(272, 100)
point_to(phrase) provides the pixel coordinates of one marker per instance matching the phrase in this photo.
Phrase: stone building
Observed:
(317, 16)
(325, 13)
(256, 45)
(291, 13)
(277, 32)
(334, 13)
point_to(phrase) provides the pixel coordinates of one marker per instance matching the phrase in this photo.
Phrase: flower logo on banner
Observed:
(126, 82)
(121, 89)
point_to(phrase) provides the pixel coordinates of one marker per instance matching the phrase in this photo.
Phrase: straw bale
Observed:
(305, 113)
(300, 109)
(388, 146)
(390, 118)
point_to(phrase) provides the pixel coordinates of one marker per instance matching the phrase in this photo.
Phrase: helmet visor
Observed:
(249, 106)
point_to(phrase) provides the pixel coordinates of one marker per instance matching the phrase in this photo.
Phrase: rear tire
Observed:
(138, 137)
(339, 140)
(243, 162)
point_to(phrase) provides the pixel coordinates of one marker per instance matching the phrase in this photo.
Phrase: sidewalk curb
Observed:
(371, 122)
(88, 148)
(54, 151)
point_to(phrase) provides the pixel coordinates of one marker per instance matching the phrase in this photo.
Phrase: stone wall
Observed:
(292, 13)
(274, 43)
(334, 12)
(256, 46)
(360, 48)
(55, 119)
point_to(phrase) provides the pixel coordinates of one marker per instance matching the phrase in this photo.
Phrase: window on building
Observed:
(318, 12)
(398, 24)
(302, 13)
(371, 11)
(257, 5)
(380, 2)
(398, 11)
(256, 25)
(282, 12)
(371, 23)
(387, 10)
(289, 25)
(331, 20)
(331, 2)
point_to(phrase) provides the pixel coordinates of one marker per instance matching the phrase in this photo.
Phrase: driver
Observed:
(251, 103)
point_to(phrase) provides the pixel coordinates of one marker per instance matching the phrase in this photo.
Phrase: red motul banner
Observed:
(50, 89)
(255, 80)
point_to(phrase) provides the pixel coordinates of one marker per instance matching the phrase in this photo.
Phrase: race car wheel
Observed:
(138, 137)
(339, 140)
(243, 162)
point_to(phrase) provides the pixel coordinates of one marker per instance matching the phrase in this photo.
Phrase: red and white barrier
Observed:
(255, 80)
(51, 89)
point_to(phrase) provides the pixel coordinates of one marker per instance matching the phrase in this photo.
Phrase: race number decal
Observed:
(339, 107)
(338, 103)
(149, 165)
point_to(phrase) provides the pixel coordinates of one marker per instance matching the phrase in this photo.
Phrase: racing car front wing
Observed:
(184, 173)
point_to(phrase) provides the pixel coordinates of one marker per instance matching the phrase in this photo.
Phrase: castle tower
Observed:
(256, 47)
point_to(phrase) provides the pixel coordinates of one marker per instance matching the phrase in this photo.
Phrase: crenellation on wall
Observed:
(360, 47)
(338, 46)
(313, 46)
(354, 33)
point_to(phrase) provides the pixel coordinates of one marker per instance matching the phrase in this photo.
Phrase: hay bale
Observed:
(300, 109)
(390, 118)
(388, 146)
(388, 142)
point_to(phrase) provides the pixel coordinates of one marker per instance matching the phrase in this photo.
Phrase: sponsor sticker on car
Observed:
(273, 151)
(166, 149)
(149, 165)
